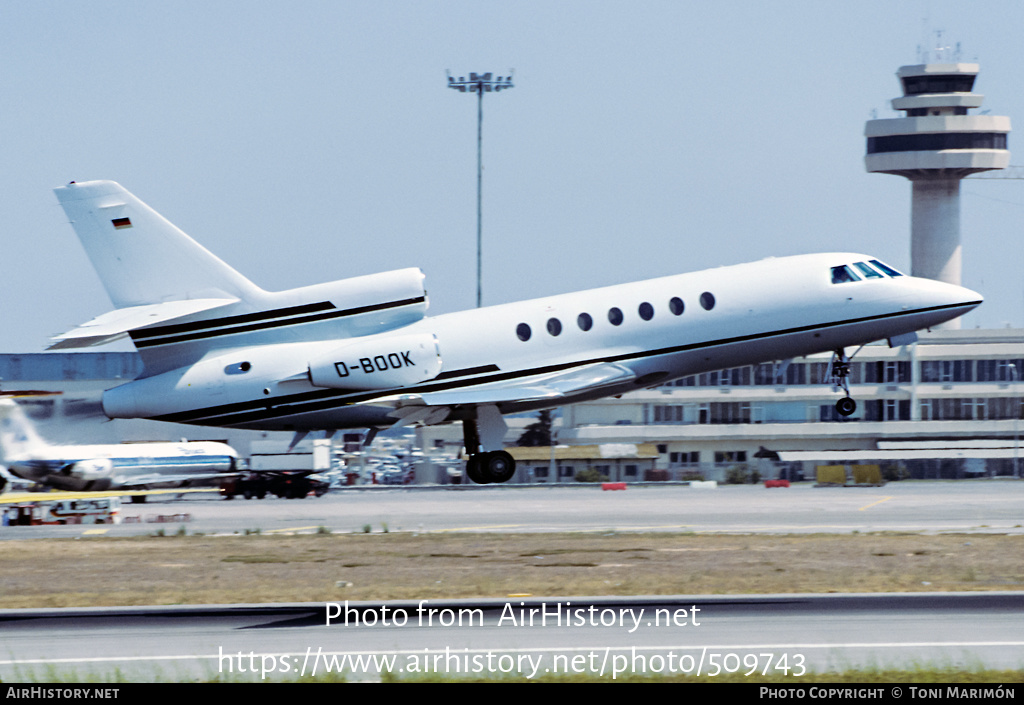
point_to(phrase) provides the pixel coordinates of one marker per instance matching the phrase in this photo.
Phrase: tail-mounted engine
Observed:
(381, 362)
(89, 470)
(91, 474)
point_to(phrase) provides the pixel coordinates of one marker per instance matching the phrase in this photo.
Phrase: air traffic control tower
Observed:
(936, 144)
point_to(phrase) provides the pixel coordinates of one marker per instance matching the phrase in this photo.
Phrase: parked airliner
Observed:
(361, 352)
(132, 466)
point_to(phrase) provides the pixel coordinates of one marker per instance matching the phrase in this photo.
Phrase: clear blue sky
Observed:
(312, 141)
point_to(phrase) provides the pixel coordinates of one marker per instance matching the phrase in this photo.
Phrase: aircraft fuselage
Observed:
(631, 335)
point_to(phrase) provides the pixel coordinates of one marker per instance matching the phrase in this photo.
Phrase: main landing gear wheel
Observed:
(499, 466)
(473, 470)
(496, 466)
(486, 430)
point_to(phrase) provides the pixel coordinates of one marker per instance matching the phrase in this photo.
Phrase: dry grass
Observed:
(199, 569)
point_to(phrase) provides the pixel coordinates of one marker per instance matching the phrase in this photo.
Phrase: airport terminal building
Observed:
(947, 406)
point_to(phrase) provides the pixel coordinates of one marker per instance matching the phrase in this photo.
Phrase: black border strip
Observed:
(482, 369)
(322, 399)
(144, 333)
(239, 324)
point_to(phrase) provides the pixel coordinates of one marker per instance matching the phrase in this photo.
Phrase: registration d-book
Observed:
(545, 614)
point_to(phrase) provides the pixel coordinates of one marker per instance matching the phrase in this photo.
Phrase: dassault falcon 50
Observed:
(362, 353)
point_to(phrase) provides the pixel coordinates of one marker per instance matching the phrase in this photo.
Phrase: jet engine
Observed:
(92, 474)
(94, 469)
(381, 362)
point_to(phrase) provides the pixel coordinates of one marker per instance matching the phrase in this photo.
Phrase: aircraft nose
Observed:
(972, 296)
(963, 296)
(943, 300)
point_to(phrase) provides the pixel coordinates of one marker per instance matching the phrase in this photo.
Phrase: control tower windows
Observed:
(935, 142)
(957, 83)
(924, 112)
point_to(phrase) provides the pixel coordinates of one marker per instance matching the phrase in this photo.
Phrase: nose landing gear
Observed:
(840, 378)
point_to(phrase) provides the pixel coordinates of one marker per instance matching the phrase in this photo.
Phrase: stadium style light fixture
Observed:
(480, 83)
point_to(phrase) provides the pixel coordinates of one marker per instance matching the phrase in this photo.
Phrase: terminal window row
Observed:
(797, 373)
(1005, 370)
(738, 412)
(568, 472)
(873, 372)
(971, 409)
(932, 409)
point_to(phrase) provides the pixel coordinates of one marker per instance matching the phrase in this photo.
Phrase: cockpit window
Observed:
(867, 271)
(843, 274)
(886, 268)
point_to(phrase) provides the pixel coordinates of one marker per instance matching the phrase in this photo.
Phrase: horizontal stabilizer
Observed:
(117, 324)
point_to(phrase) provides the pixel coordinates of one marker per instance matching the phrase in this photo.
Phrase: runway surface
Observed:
(611, 636)
(797, 636)
(930, 507)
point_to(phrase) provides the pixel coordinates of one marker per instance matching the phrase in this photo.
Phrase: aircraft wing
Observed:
(551, 386)
(116, 324)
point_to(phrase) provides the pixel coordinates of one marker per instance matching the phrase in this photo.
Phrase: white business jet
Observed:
(362, 353)
(131, 466)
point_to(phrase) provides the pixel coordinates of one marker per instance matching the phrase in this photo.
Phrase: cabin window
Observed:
(675, 305)
(646, 311)
(707, 300)
(584, 321)
(615, 316)
(843, 275)
(554, 326)
(523, 332)
(867, 270)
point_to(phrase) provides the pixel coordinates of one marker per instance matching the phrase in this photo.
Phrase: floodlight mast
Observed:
(480, 83)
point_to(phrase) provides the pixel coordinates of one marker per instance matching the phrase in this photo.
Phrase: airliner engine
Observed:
(92, 474)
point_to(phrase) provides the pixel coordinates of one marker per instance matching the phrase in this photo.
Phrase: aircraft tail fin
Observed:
(140, 257)
(177, 301)
(18, 437)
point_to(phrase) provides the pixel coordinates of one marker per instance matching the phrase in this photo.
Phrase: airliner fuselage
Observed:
(109, 466)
